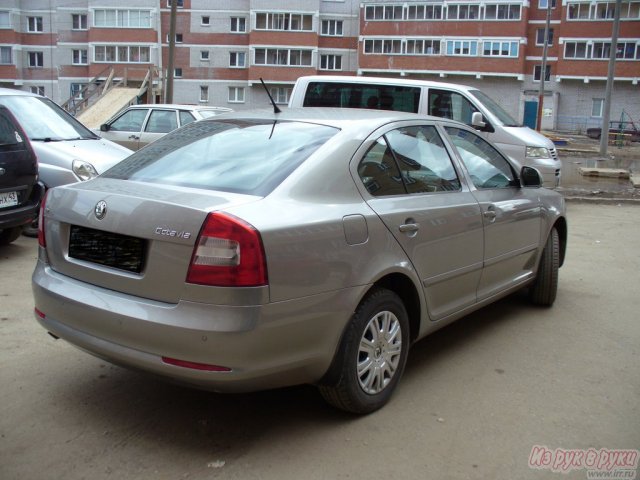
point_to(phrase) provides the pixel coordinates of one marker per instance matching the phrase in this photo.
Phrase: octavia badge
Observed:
(100, 210)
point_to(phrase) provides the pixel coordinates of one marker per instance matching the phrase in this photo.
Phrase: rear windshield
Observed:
(362, 95)
(241, 156)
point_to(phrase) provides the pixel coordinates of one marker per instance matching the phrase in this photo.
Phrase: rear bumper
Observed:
(265, 346)
(25, 213)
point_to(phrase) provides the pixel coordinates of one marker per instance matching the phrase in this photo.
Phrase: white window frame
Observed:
(131, 52)
(503, 12)
(179, 4)
(285, 57)
(424, 12)
(37, 89)
(422, 46)
(542, 4)
(500, 51)
(462, 44)
(79, 21)
(205, 20)
(235, 57)
(204, 55)
(76, 90)
(540, 33)
(382, 46)
(332, 28)
(238, 25)
(537, 70)
(284, 22)
(204, 93)
(35, 24)
(5, 19)
(383, 13)
(6, 52)
(236, 95)
(330, 61)
(463, 11)
(77, 57)
(35, 59)
(177, 72)
(597, 107)
(281, 95)
(121, 18)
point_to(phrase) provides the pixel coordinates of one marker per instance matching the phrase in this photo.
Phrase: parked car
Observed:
(260, 250)
(20, 191)
(457, 102)
(67, 151)
(138, 125)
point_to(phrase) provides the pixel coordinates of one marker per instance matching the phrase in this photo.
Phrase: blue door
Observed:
(530, 114)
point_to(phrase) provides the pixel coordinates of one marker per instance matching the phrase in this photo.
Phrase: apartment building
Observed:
(224, 47)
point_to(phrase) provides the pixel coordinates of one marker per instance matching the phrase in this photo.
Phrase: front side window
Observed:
(79, 21)
(408, 160)
(452, 105)
(34, 25)
(130, 121)
(486, 166)
(237, 155)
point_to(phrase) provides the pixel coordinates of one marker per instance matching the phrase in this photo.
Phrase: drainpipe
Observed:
(543, 68)
(606, 114)
(172, 51)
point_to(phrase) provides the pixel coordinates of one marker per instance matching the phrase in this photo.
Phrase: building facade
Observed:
(224, 47)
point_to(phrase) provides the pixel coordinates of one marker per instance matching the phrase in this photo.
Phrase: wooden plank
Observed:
(604, 172)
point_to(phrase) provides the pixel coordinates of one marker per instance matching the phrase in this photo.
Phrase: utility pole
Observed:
(168, 93)
(606, 114)
(543, 68)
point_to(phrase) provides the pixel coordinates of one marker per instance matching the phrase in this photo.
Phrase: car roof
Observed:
(343, 118)
(178, 106)
(15, 91)
(383, 81)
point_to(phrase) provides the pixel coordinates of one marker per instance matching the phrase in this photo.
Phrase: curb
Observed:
(602, 200)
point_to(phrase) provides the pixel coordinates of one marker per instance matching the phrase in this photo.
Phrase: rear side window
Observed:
(242, 156)
(10, 137)
(408, 160)
(357, 95)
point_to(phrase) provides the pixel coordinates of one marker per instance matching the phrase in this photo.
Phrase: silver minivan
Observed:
(457, 102)
(67, 151)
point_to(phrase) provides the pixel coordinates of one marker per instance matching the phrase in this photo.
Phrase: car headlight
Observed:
(84, 170)
(538, 152)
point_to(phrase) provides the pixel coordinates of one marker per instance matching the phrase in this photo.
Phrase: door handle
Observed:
(490, 214)
(134, 137)
(409, 227)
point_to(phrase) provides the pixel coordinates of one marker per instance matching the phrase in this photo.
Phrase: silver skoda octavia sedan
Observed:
(257, 250)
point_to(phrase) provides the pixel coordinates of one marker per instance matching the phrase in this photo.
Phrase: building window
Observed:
(330, 62)
(205, 20)
(597, 106)
(236, 94)
(237, 59)
(113, 18)
(499, 49)
(577, 50)
(36, 59)
(79, 21)
(178, 38)
(462, 48)
(5, 56)
(238, 24)
(578, 11)
(463, 12)
(121, 54)
(383, 12)
(424, 12)
(383, 46)
(281, 94)
(536, 73)
(331, 28)
(282, 57)
(34, 25)
(422, 47)
(545, 3)
(79, 57)
(284, 21)
(204, 93)
(204, 55)
(540, 37)
(5, 19)
(177, 72)
(179, 3)
(76, 90)
(502, 11)
(37, 89)
(605, 11)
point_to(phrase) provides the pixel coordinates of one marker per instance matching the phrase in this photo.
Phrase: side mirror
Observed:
(530, 177)
(477, 120)
(104, 127)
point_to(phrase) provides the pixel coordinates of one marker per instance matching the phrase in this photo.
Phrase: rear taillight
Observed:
(228, 253)
(42, 241)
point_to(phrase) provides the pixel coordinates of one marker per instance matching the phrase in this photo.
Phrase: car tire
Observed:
(31, 230)
(544, 289)
(9, 235)
(372, 355)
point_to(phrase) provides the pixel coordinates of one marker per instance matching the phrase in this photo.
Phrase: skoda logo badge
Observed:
(100, 210)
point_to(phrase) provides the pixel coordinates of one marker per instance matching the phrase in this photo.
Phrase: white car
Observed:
(139, 125)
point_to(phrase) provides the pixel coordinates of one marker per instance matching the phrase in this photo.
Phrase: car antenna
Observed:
(275, 107)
